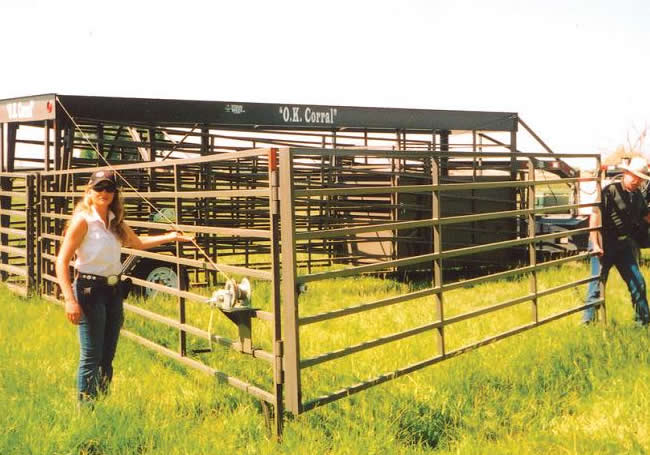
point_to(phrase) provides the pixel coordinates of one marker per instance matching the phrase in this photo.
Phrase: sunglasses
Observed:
(105, 186)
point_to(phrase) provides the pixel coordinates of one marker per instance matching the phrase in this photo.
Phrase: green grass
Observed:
(556, 389)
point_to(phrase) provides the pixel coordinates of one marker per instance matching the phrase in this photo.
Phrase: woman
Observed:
(94, 301)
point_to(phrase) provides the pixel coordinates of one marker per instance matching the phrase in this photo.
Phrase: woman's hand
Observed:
(597, 250)
(176, 236)
(73, 311)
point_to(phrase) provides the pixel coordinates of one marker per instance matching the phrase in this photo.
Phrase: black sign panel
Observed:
(282, 116)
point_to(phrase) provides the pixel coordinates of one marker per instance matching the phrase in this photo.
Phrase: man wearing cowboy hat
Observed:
(621, 208)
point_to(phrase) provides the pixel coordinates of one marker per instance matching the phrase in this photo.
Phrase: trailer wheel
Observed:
(160, 273)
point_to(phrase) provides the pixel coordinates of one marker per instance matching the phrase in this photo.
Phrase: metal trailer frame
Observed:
(274, 168)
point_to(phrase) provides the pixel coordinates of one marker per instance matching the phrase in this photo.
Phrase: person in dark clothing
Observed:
(621, 210)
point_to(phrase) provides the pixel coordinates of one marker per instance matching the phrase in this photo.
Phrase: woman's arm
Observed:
(71, 241)
(595, 236)
(149, 241)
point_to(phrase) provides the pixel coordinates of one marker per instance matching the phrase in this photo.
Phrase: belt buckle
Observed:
(112, 280)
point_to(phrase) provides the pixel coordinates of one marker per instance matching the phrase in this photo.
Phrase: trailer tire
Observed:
(157, 272)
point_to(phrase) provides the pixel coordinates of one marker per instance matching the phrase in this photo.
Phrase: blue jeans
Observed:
(99, 330)
(622, 254)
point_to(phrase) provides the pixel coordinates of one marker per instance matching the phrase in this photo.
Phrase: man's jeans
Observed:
(99, 331)
(622, 254)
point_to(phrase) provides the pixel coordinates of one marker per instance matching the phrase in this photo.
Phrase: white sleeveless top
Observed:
(99, 252)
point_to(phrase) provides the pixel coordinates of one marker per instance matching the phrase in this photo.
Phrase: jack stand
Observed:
(242, 318)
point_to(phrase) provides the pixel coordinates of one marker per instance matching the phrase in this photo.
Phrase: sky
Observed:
(576, 71)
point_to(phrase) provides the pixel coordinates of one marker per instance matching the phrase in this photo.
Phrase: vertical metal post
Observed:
(480, 160)
(474, 157)
(46, 145)
(437, 246)
(513, 156)
(182, 335)
(203, 208)
(4, 222)
(602, 309)
(6, 184)
(12, 133)
(274, 213)
(3, 256)
(30, 231)
(532, 252)
(2, 147)
(151, 171)
(291, 343)
(444, 147)
(328, 214)
(100, 141)
(68, 148)
(38, 208)
(57, 153)
(57, 148)
(516, 193)
(473, 192)
(394, 198)
(336, 161)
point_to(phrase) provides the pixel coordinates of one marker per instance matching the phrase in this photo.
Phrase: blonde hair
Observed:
(117, 225)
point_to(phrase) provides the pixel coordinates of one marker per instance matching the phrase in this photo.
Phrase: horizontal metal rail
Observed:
(442, 255)
(231, 156)
(15, 174)
(342, 232)
(49, 277)
(169, 290)
(235, 345)
(17, 194)
(259, 314)
(513, 272)
(9, 212)
(18, 232)
(326, 316)
(14, 270)
(213, 194)
(434, 325)
(564, 287)
(222, 377)
(319, 401)
(366, 306)
(14, 251)
(257, 353)
(236, 270)
(401, 154)
(349, 191)
(232, 269)
(240, 232)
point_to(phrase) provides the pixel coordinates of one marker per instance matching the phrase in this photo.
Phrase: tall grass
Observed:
(557, 389)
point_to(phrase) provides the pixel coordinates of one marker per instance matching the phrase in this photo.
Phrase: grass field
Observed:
(557, 389)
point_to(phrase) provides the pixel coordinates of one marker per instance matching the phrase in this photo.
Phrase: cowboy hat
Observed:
(637, 166)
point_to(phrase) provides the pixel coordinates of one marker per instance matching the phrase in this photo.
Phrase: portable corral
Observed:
(285, 195)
